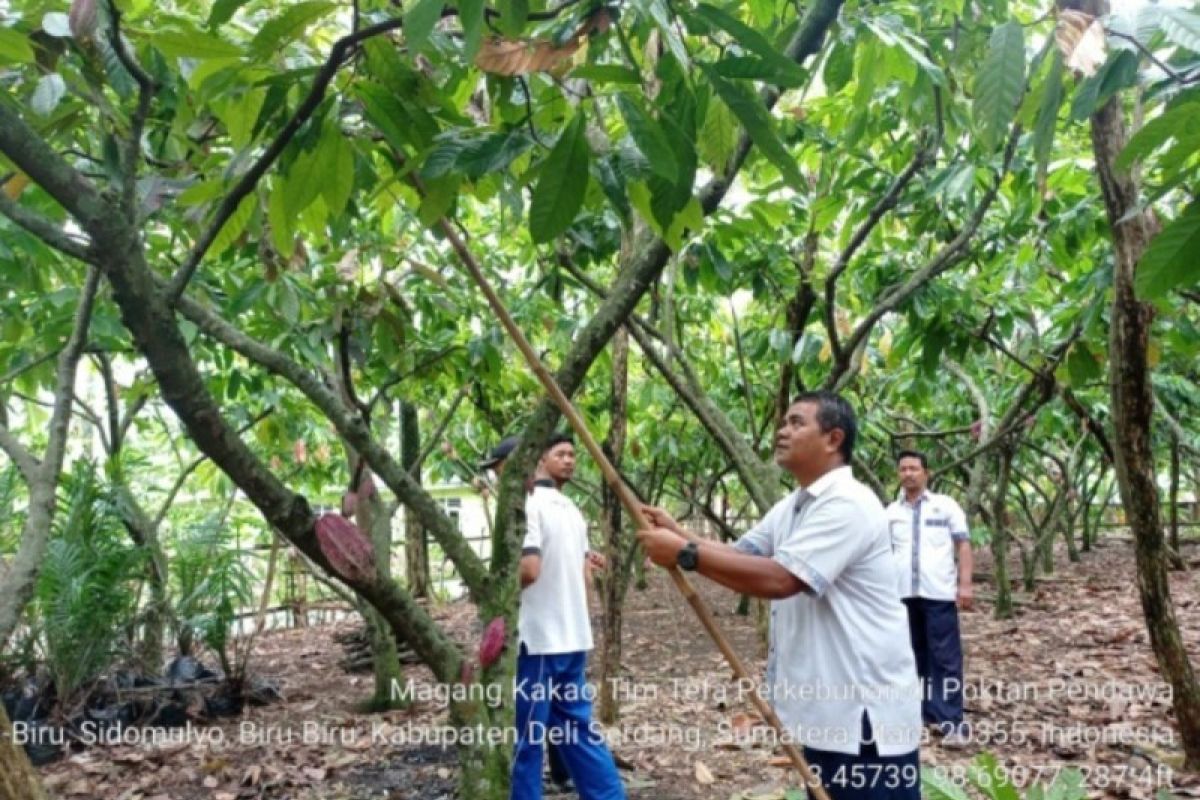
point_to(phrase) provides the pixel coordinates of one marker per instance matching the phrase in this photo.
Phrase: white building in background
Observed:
(466, 507)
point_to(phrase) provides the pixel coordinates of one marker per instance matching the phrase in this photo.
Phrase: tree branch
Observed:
(24, 460)
(947, 257)
(43, 228)
(889, 200)
(18, 580)
(353, 429)
(146, 90)
(339, 54)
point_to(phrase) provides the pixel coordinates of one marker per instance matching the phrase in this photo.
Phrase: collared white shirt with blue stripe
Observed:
(842, 647)
(923, 536)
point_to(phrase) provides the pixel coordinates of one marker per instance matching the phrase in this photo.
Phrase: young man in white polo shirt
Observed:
(840, 669)
(929, 534)
(553, 700)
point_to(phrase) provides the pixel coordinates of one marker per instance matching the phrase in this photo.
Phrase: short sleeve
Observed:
(825, 542)
(959, 531)
(757, 540)
(532, 544)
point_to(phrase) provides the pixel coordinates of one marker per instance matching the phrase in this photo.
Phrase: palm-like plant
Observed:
(87, 589)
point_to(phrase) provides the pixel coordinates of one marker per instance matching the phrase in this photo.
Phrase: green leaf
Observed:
(194, 44)
(989, 778)
(384, 112)
(50, 90)
(14, 47)
(282, 234)
(491, 153)
(337, 164)
(1171, 259)
(236, 223)
(753, 115)
(470, 16)
(201, 193)
(419, 21)
(757, 69)
(304, 180)
(513, 16)
(561, 185)
(223, 11)
(936, 784)
(839, 66)
(1117, 73)
(1170, 124)
(649, 137)
(607, 73)
(1000, 83)
(663, 18)
(718, 136)
(1182, 27)
(439, 197)
(789, 72)
(1082, 366)
(288, 26)
(1047, 116)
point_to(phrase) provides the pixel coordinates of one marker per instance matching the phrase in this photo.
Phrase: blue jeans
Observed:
(554, 704)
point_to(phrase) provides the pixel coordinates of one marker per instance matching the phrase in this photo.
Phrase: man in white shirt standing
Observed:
(929, 535)
(840, 672)
(553, 700)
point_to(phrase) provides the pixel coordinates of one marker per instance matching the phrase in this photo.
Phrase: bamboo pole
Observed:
(628, 500)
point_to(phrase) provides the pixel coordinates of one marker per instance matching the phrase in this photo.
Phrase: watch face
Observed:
(688, 557)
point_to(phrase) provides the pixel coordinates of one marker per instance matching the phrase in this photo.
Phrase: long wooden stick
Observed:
(628, 500)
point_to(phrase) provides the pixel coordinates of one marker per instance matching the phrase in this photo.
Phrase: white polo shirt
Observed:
(923, 536)
(553, 615)
(842, 647)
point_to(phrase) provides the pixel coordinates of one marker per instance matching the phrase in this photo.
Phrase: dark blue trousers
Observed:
(868, 775)
(933, 626)
(554, 704)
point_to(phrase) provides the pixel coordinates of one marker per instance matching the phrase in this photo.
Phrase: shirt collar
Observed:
(817, 487)
(546, 483)
(925, 495)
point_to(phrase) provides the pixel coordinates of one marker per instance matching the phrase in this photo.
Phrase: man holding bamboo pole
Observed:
(840, 671)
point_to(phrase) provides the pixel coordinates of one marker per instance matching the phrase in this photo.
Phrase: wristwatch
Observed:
(688, 557)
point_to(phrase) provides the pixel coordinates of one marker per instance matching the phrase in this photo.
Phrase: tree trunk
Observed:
(1177, 554)
(616, 580)
(18, 779)
(416, 548)
(264, 603)
(374, 518)
(1133, 411)
(1004, 604)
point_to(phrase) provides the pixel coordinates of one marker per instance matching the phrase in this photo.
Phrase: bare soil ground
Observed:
(1068, 682)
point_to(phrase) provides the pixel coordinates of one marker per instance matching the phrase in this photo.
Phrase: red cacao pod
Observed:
(347, 550)
(491, 644)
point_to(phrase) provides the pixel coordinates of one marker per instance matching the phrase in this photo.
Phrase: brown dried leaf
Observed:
(1080, 39)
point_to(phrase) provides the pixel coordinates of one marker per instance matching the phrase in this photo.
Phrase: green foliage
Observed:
(1000, 83)
(1171, 259)
(210, 584)
(562, 184)
(86, 591)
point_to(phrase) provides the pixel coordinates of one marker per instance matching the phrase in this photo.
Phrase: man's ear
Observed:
(836, 437)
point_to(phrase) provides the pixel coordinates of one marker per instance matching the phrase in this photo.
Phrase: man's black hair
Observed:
(917, 454)
(557, 438)
(833, 412)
